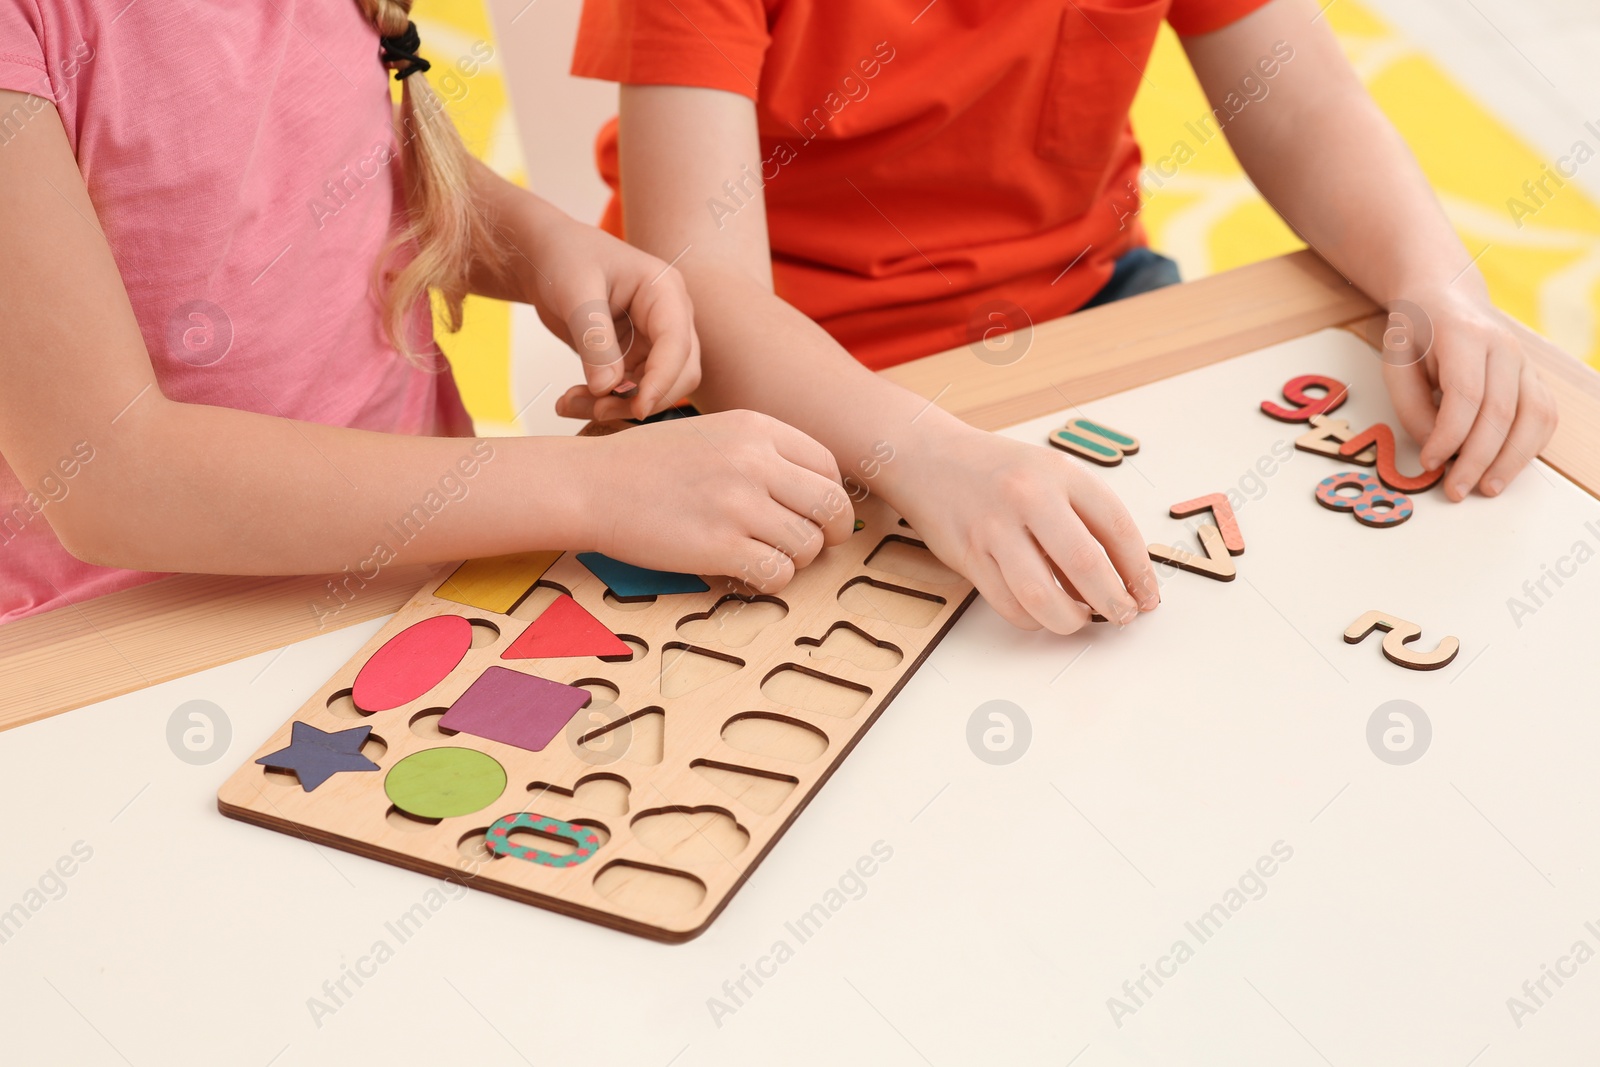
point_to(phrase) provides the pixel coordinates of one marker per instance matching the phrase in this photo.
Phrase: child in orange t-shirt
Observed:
(884, 179)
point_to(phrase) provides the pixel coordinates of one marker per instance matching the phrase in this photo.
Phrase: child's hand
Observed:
(734, 493)
(1491, 407)
(626, 314)
(1016, 520)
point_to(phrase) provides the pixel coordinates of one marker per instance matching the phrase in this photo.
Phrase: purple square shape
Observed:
(514, 708)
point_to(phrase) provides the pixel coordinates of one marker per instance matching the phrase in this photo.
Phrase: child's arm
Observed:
(1328, 160)
(579, 278)
(189, 487)
(1004, 513)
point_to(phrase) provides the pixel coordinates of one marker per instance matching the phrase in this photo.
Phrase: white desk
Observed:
(1164, 762)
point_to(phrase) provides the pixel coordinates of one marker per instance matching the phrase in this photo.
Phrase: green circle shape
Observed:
(438, 783)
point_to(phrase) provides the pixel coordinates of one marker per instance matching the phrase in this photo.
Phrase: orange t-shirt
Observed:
(926, 166)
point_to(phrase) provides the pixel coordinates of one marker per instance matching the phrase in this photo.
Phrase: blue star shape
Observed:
(315, 755)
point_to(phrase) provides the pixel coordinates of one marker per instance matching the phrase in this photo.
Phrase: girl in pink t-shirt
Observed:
(217, 249)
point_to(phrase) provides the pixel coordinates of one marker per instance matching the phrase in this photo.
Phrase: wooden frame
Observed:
(760, 702)
(152, 633)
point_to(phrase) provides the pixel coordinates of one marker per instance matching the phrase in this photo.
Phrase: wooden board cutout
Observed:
(1221, 512)
(763, 734)
(685, 668)
(734, 621)
(1094, 441)
(852, 644)
(662, 751)
(497, 583)
(1398, 634)
(637, 738)
(1382, 437)
(1216, 563)
(1326, 436)
(760, 791)
(894, 604)
(602, 792)
(909, 558)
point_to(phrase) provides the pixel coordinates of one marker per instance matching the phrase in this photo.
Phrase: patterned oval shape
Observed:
(412, 662)
(498, 839)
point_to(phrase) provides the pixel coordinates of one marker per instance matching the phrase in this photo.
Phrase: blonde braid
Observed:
(448, 227)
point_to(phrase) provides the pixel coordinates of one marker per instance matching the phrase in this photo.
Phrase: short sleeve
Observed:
(708, 44)
(1194, 17)
(22, 61)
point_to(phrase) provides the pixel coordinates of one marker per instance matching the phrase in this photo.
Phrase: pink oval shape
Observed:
(412, 662)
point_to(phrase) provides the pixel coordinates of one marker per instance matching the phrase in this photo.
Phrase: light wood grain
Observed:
(745, 696)
(165, 629)
(102, 648)
(1117, 346)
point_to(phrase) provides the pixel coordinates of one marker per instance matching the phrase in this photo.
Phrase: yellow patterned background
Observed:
(1546, 272)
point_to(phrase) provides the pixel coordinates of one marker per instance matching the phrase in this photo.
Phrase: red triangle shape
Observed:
(564, 629)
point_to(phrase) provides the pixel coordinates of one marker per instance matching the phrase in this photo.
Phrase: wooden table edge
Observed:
(105, 647)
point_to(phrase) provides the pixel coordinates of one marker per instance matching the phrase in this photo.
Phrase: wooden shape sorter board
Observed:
(686, 764)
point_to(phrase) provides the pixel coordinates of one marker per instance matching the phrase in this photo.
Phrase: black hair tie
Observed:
(402, 49)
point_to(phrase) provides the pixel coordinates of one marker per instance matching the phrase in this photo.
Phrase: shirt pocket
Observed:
(1101, 50)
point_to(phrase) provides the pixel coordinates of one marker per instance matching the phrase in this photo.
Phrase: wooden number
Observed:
(1373, 505)
(1325, 437)
(1216, 563)
(498, 839)
(1398, 633)
(1382, 437)
(1221, 511)
(1094, 441)
(1294, 391)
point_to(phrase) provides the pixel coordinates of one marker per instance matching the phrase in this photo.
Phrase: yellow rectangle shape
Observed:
(498, 582)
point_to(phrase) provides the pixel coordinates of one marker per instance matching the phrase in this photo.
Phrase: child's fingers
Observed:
(1535, 425)
(1035, 589)
(1493, 423)
(658, 390)
(1109, 520)
(790, 532)
(799, 448)
(576, 403)
(1411, 392)
(818, 498)
(1461, 380)
(1082, 560)
(594, 338)
(761, 566)
(985, 575)
(663, 312)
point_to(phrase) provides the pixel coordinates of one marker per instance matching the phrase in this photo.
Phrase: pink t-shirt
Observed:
(241, 158)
